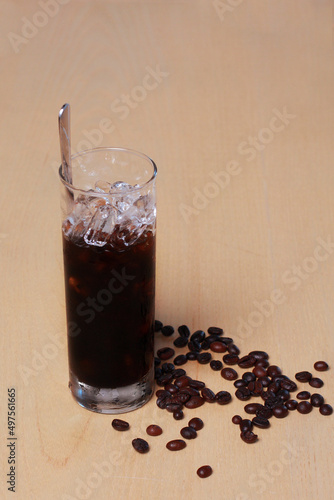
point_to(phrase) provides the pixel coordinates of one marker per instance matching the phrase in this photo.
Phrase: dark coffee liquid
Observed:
(110, 310)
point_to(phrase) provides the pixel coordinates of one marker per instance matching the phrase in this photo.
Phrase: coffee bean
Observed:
(157, 325)
(190, 390)
(172, 407)
(154, 430)
(171, 388)
(252, 407)
(178, 415)
(196, 384)
(248, 377)
(231, 359)
(140, 445)
(247, 362)
(204, 358)
(291, 404)
(321, 366)
(283, 394)
(160, 392)
(316, 382)
(317, 400)
(208, 395)
(264, 412)
(236, 419)
(216, 365)
(273, 370)
(280, 411)
(157, 361)
(240, 383)
(258, 388)
(303, 395)
(191, 356)
(246, 425)
(181, 398)
(226, 340)
(184, 331)
(303, 376)
(218, 347)
(194, 402)
(214, 330)
(229, 374)
(176, 445)
(259, 371)
(120, 425)
(249, 437)
(179, 372)
(180, 342)
(289, 385)
(265, 381)
(182, 382)
(261, 422)
(165, 353)
(167, 367)
(188, 433)
(274, 387)
(259, 355)
(304, 407)
(233, 349)
(243, 393)
(180, 360)
(167, 330)
(194, 346)
(198, 336)
(326, 409)
(204, 471)
(196, 423)
(262, 362)
(223, 397)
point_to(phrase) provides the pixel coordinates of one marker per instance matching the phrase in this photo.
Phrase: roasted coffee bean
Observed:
(304, 407)
(172, 407)
(178, 415)
(204, 471)
(188, 433)
(167, 330)
(233, 349)
(157, 326)
(229, 374)
(326, 409)
(239, 383)
(264, 412)
(171, 388)
(176, 445)
(246, 425)
(252, 407)
(249, 437)
(198, 336)
(321, 366)
(196, 384)
(262, 362)
(191, 356)
(181, 398)
(274, 387)
(214, 330)
(261, 422)
(165, 353)
(291, 404)
(205, 345)
(154, 430)
(161, 392)
(216, 365)
(167, 367)
(181, 359)
(204, 358)
(226, 340)
(196, 423)
(258, 388)
(259, 371)
(140, 445)
(283, 394)
(231, 359)
(157, 372)
(208, 395)
(236, 419)
(316, 382)
(223, 397)
(303, 395)
(164, 379)
(247, 362)
(258, 355)
(180, 342)
(194, 346)
(120, 425)
(303, 376)
(179, 372)
(272, 402)
(194, 402)
(317, 400)
(182, 382)
(289, 385)
(265, 381)
(280, 411)
(157, 361)
(243, 393)
(248, 377)
(184, 331)
(190, 390)
(218, 347)
(273, 370)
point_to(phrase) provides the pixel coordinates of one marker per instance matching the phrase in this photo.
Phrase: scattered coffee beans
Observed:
(236, 419)
(157, 326)
(167, 330)
(291, 404)
(196, 423)
(165, 353)
(303, 395)
(249, 437)
(304, 407)
(184, 331)
(120, 425)
(176, 445)
(178, 415)
(321, 366)
(154, 430)
(188, 433)
(229, 374)
(303, 376)
(204, 471)
(317, 400)
(223, 397)
(316, 382)
(326, 409)
(140, 445)
(216, 365)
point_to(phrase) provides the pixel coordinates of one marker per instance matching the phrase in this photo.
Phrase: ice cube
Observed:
(101, 226)
(102, 186)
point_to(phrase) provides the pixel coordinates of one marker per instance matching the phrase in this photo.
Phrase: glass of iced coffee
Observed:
(108, 229)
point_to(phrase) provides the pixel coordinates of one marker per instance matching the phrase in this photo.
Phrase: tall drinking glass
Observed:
(108, 228)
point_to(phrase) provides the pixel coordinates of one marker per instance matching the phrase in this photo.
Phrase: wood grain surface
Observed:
(234, 101)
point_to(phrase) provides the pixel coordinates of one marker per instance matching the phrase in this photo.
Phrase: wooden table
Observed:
(234, 101)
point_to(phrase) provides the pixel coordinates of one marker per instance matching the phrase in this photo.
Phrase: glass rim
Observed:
(92, 192)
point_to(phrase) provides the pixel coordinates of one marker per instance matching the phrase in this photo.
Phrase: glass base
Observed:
(120, 400)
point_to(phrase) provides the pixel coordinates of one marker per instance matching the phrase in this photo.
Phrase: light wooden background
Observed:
(225, 73)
